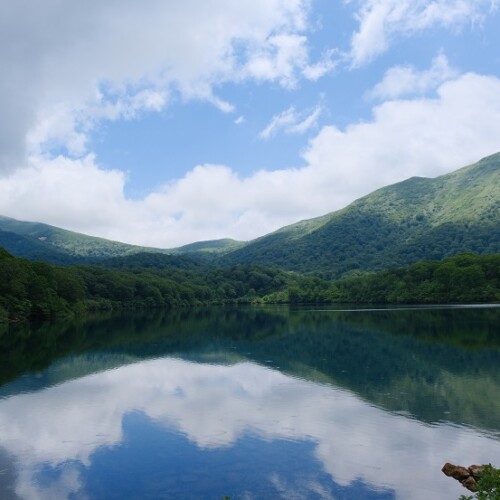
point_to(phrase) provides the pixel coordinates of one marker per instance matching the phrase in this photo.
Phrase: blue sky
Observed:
(202, 120)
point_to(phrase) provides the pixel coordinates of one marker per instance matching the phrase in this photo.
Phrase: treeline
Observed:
(465, 278)
(36, 290)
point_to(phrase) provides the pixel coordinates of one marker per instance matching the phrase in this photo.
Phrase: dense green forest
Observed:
(36, 290)
(40, 290)
(466, 278)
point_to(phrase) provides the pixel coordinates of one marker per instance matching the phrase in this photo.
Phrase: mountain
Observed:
(397, 225)
(43, 242)
(37, 241)
(394, 226)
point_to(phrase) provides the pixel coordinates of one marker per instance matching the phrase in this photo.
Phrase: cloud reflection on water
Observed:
(214, 406)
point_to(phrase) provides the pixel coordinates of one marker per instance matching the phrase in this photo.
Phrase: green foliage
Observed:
(210, 247)
(37, 290)
(395, 226)
(4, 315)
(466, 278)
(148, 260)
(36, 241)
(488, 485)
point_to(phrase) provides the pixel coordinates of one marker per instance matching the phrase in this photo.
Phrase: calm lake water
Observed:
(250, 403)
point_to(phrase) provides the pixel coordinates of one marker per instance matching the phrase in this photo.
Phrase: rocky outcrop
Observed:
(468, 476)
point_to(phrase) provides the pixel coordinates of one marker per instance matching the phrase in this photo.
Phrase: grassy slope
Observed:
(394, 226)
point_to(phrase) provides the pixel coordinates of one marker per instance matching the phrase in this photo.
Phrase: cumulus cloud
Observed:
(424, 136)
(67, 66)
(383, 21)
(279, 59)
(406, 80)
(285, 59)
(64, 190)
(71, 67)
(404, 137)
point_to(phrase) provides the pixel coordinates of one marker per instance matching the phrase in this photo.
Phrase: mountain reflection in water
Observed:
(252, 403)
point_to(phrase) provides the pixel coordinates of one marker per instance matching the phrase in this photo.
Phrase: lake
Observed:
(250, 402)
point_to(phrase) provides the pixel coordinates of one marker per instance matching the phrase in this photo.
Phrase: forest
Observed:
(37, 290)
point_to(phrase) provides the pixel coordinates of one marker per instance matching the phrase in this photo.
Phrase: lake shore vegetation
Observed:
(37, 290)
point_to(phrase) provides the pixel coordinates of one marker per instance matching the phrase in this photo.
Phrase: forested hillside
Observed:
(209, 248)
(397, 225)
(37, 241)
(465, 278)
(36, 290)
(31, 290)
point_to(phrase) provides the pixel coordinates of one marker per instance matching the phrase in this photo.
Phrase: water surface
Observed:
(251, 403)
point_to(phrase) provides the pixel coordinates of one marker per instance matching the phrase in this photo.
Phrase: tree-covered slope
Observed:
(33, 249)
(37, 290)
(156, 261)
(37, 241)
(397, 225)
(209, 248)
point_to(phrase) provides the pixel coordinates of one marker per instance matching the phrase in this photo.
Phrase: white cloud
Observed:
(425, 137)
(382, 21)
(405, 137)
(291, 122)
(279, 59)
(65, 190)
(306, 123)
(406, 80)
(69, 67)
(281, 120)
(325, 65)
(77, 66)
(285, 59)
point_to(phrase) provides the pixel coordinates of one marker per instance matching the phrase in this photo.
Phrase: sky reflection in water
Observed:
(173, 428)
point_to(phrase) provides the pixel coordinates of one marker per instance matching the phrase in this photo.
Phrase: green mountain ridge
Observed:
(397, 225)
(38, 241)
